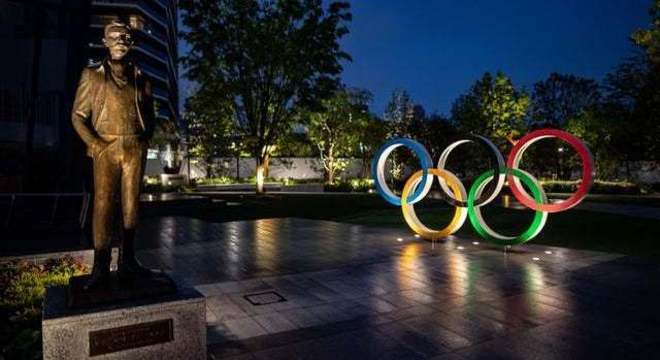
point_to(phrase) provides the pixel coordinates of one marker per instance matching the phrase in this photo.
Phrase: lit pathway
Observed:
(346, 291)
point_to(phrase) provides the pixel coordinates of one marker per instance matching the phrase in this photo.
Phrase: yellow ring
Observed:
(460, 213)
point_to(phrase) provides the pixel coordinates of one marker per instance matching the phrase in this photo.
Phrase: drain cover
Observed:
(264, 298)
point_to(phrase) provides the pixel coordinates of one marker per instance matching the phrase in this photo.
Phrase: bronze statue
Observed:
(113, 114)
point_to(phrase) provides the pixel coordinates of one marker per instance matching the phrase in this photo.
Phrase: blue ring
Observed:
(425, 163)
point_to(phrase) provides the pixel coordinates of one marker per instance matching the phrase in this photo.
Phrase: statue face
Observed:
(118, 42)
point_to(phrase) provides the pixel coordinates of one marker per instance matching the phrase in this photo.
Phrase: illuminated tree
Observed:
(398, 114)
(492, 107)
(270, 58)
(210, 127)
(337, 128)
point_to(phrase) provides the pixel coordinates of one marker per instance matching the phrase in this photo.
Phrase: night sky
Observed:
(437, 49)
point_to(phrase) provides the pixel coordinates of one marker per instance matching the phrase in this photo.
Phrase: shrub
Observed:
(352, 185)
(362, 185)
(559, 186)
(152, 184)
(615, 188)
(222, 180)
(292, 181)
(160, 188)
(338, 186)
(22, 288)
(652, 188)
(598, 187)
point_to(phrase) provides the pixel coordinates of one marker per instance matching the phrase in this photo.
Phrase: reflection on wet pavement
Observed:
(361, 292)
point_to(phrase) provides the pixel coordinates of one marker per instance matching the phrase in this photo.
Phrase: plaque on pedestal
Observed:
(169, 326)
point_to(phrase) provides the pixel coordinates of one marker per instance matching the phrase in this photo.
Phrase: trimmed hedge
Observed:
(598, 187)
(351, 185)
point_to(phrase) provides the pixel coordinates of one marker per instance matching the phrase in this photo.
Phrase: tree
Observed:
(210, 125)
(435, 133)
(295, 142)
(398, 114)
(270, 58)
(336, 129)
(633, 99)
(596, 128)
(649, 39)
(372, 134)
(493, 107)
(561, 98)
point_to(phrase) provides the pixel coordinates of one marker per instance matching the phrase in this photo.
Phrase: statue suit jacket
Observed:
(90, 99)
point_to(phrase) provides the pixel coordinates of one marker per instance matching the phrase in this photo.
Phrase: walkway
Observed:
(342, 291)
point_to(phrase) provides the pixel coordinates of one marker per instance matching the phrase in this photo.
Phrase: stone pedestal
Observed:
(165, 327)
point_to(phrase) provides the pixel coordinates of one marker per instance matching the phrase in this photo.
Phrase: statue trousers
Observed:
(118, 171)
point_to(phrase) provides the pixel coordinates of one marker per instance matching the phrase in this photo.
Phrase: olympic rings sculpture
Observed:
(468, 203)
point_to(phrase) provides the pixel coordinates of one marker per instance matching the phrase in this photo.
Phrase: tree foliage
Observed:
(269, 59)
(633, 104)
(493, 107)
(210, 128)
(560, 98)
(399, 114)
(336, 129)
(649, 39)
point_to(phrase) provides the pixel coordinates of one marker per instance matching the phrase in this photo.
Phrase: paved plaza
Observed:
(294, 288)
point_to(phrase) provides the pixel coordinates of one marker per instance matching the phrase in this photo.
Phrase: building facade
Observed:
(154, 23)
(47, 43)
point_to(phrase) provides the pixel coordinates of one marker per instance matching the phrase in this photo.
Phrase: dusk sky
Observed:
(437, 49)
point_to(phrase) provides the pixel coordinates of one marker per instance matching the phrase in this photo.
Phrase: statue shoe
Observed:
(130, 268)
(97, 280)
(100, 275)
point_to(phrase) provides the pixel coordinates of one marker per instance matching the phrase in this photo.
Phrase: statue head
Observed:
(118, 39)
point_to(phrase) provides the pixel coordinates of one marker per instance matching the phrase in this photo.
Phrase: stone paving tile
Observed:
(302, 350)
(275, 323)
(331, 312)
(241, 328)
(356, 292)
(303, 318)
(438, 334)
(362, 344)
(224, 308)
(376, 305)
(418, 342)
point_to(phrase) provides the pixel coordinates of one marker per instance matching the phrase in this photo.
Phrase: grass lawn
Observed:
(573, 228)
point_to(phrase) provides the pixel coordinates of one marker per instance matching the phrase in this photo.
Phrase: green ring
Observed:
(538, 216)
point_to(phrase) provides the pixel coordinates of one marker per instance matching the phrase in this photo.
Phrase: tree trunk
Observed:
(330, 171)
(262, 170)
(260, 179)
(209, 167)
(238, 167)
(266, 163)
(330, 166)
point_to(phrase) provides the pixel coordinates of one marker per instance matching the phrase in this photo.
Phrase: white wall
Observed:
(279, 168)
(643, 172)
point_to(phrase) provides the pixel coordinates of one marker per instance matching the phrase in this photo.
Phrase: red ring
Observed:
(587, 170)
